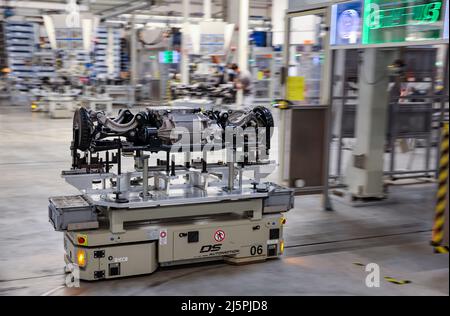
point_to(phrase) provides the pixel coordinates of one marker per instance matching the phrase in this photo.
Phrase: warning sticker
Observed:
(163, 237)
(219, 236)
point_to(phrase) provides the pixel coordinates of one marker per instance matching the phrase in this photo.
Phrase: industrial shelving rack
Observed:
(124, 56)
(3, 56)
(44, 60)
(4, 87)
(44, 64)
(101, 52)
(20, 41)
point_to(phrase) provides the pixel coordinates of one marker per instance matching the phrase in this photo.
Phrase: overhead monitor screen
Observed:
(346, 23)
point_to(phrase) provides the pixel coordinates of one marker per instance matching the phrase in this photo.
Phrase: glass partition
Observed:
(306, 58)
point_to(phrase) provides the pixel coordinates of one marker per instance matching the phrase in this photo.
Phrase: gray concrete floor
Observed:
(321, 247)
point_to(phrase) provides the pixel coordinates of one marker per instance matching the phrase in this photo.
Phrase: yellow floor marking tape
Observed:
(397, 282)
(389, 279)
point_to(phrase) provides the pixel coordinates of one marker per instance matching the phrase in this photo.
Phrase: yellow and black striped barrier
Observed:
(441, 249)
(442, 195)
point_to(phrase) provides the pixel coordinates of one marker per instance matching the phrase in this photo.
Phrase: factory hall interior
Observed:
(224, 148)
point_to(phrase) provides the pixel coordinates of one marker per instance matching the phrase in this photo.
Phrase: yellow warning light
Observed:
(282, 247)
(81, 258)
(33, 106)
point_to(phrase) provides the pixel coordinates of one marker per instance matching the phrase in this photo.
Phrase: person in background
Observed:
(244, 81)
(229, 73)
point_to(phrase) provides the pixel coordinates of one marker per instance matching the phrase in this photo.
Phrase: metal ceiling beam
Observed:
(41, 5)
(126, 9)
(118, 6)
(114, 7)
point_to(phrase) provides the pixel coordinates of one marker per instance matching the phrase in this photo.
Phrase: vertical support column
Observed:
(244, 14)
(365, 174)
(279, 8)
(327, 204)
(338, 107)
(231, 160)
(230, 7)
(145, 178)
(207, 10)
(134, 75)
(184, 47)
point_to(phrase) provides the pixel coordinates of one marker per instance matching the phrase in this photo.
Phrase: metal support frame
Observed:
(327, 205)
(325, 96)
(428, 170)
(118, 217)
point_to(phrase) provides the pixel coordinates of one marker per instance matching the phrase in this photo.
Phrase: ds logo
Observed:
(211, 248)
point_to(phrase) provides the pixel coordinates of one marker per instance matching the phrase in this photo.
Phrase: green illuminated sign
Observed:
(388, 21)
(169, 57)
